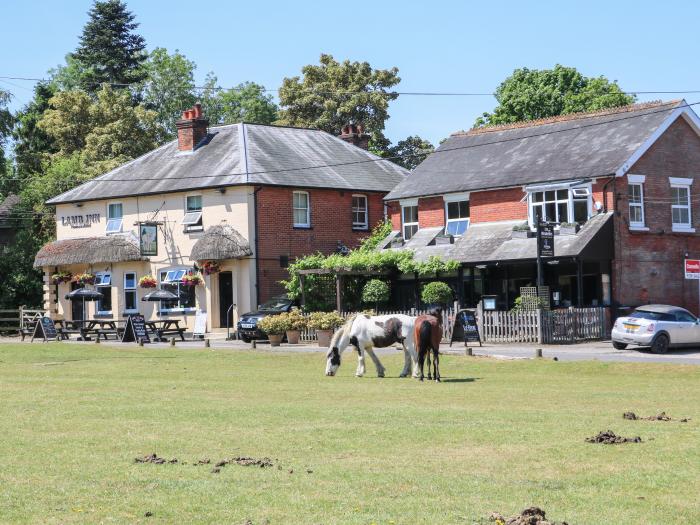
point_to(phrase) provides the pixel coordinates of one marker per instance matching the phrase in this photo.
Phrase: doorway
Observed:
(76, 307)
(225, 298)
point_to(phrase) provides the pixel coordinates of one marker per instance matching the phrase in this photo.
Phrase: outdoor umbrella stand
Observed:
(85, 295)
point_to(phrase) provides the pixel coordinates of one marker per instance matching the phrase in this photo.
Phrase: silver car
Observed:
(658, 326)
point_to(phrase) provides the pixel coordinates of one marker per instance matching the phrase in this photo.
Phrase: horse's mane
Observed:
(344, 330)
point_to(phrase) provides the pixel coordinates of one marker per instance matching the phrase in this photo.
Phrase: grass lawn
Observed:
(495, 435)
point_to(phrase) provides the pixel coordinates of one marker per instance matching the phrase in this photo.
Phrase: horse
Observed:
(366, 333)
(427, 334)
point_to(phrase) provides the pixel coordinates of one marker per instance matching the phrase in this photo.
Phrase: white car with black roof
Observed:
(658, 326)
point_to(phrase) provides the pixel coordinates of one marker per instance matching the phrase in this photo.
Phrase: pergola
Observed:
(339, 276)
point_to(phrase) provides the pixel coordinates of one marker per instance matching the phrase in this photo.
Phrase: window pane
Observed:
(114, 211)
(679, 195)
(458, 210)
(550, 213)
(172, 288)
(563, 211)
(410, 214)
(681, 216)
(187, 299)
(457, 227)
(409, 231)
(635, 193)
(105, 303)
(130, 300)
(194, 203)
(549, 195)
(537, 196)
(537, 213)
(129, 280)
(636, 214)
(580, 211)
(300, 217)
(464, 209)
(562, 194)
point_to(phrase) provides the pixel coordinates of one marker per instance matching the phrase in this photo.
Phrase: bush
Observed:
(436, 293)
(273, 324)
(375, 291)
(521, 227)
(528, 302)
(295, 319)
(325, 320)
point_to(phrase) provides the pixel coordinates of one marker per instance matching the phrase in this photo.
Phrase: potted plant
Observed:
(375, 291)
(296, 322)
(521, 231)
(324, 324)
(274, 327)
(191, 279)
(210, 267)
(84, 278)
(61, 277)
(568, 228)
(148, 281)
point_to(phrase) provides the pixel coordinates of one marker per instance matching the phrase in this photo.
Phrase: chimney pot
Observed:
(355, 134)
(191, 128)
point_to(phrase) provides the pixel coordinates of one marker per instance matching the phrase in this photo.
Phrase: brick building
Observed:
(620, 186)
(250, 198)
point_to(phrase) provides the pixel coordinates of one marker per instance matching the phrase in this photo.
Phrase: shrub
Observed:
(293, 320)
(374, 292)
(436, 292)
(273, 324)
(528, 302)
(521, 227)
(325, 320)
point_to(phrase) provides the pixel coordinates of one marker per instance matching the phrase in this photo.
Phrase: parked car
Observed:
(658, 326)
(248, 323)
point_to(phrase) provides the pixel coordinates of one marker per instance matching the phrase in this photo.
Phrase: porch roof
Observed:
(88, 250)
(220, 242)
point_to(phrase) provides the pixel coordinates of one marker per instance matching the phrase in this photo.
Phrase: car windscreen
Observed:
(652, 316)
(276, 304)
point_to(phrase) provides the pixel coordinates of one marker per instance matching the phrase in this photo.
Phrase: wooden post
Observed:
(301, 285)
(579, 282)
(338, 293)
(469, 350)
(172, 341)
(540, 328)
(538, 352)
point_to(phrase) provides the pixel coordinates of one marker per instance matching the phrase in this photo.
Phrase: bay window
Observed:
(559, 203)
(300, 209)
(359, 212)
(409, 220)
(171, 280)
(103, 284)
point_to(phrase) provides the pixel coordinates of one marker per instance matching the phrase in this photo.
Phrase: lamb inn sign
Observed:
(80, 221)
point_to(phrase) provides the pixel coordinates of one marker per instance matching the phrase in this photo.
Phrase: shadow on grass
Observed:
(460, 379)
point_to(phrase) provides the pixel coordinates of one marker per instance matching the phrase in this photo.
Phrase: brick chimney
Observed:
(355, 134)
(191, 128)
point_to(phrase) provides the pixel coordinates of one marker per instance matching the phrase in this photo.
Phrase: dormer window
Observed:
(559, 203)
(456, 215)
(409, 219)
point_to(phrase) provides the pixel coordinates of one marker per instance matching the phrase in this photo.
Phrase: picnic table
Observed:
(84, 329)
(163, 327)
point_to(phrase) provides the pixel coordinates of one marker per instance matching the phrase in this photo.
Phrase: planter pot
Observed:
(520, 234)
(568, 230)
(293, 337)
(324, 337)
(275, 339)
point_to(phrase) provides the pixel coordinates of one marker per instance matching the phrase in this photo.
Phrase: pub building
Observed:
(214, 217)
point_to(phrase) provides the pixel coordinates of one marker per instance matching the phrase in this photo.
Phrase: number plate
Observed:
(631, 327)
(247, 325)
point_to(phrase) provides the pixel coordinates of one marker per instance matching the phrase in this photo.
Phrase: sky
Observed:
(437, 46)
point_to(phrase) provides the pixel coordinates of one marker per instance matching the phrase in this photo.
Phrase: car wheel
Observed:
(619, 346)
(660, 344)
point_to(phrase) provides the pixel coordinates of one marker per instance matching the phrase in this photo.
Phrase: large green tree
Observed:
(246, 102)
(333, 94)
(32, 146)
(6, 121)
(410, 152)
(109, 50)
(530, 94)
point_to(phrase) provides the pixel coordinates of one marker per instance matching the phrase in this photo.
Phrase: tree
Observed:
(410, 152)
(32, 145)
(169, 88)
(530, 94)
(246, 102)
(436, 292)
(333, 94)
(375, 291)
(109, 50)
(6, 121)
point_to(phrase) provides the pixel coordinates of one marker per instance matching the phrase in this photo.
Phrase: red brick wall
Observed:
(497, 205)
(394, 213)
(431, 212)
(648, 266)
(331, 221)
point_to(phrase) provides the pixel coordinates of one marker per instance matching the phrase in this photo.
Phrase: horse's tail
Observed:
(425, 334)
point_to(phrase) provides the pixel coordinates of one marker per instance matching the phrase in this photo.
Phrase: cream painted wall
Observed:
(234, 207)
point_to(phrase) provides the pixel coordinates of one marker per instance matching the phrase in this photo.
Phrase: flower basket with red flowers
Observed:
(148, 281)
(61, 277)
(84, 278)
(192, 280)
(210, 267)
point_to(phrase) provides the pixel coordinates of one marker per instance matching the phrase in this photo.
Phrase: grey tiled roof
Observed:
(573, 146)
(246, 154)
(491, 242)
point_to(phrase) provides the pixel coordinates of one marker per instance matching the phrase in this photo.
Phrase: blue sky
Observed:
(437, 46)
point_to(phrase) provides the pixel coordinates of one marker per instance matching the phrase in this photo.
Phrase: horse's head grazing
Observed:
(332, 360)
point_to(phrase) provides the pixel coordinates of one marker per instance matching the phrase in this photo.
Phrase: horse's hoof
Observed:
(403, 375)
(380, 375)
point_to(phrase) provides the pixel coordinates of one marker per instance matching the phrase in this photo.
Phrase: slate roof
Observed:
(572, 146)
(240, 154)
(491, 242)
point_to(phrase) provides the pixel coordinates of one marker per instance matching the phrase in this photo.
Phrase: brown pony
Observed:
(427, 334)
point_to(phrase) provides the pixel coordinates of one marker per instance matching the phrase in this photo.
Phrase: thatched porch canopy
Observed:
(88, 250)
(220, 242)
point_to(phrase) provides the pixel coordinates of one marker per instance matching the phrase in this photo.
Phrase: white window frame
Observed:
(637, 180)
(457, 197)
(360, 225)
(117, 221)
(100, 277)
(174, 275)
(682, 183)
(570, 187)
(408, 203)
(192, 220)
(131, 289)
(307, 223)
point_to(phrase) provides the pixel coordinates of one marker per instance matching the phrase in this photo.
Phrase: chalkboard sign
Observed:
(465, 327)
(45, 328)
(135, 330)
(545, 240)
(200, 324)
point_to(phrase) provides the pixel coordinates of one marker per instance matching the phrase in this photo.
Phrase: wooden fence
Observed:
(14, 320)
(510, 327)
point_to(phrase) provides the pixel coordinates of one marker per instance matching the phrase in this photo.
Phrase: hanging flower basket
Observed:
(61, 277)
(148, 281)
(210, 267)
(192, 280)
(84, 278)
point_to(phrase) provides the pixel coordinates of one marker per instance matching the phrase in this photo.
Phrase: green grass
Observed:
(496, 435)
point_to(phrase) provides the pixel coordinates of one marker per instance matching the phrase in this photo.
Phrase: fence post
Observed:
(540, 322)
(21, 317)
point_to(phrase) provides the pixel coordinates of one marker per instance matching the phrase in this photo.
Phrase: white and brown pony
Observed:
(366, 333)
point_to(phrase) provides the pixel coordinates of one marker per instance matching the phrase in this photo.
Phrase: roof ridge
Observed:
(568, 117)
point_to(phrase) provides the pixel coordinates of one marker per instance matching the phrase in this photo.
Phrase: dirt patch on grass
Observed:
(154, 458)
(610, 438)
(661, 416)
(530, 516)
(244, 461)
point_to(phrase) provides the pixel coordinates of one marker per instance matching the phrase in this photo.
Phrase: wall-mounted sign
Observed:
(545, 239)
(148, 235)
(80, 221)
(692, 269)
